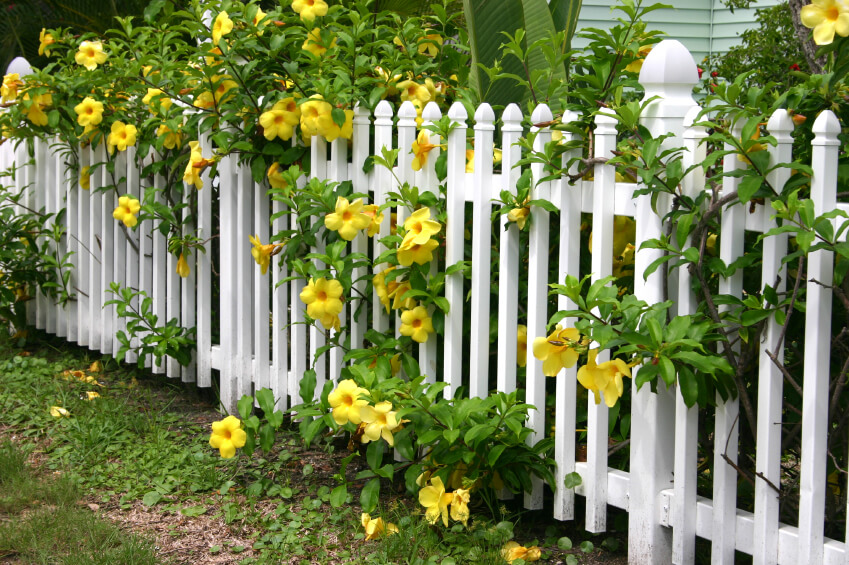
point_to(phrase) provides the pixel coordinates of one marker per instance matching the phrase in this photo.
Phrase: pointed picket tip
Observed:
(431, 112)
(484, 116)
(512, 118)
(780, 125)
(605, 124)
(542, 113)
(407, 110)
(383, 110)
(570, 116)
(20, 66)
(826, 128)
(669, 63)
(458, 113)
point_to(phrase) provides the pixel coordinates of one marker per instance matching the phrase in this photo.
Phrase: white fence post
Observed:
(670, 72)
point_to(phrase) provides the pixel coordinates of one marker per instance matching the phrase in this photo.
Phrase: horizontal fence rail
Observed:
(260, 341)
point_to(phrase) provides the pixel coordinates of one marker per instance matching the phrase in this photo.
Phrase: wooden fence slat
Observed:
(318, 170)
(160, 276)
(261, 311)
(816, 369)
(242, 263)
(538, 257)
(454, 250)
(280, 322)
(204, 273)
(82, 255)
(337, 171)
(96, 326)
(229, 386)
(482, 255)
(686, 419)
(188, 291)
(380, 181)
(119, 248)
(566, 404)
(360, 148)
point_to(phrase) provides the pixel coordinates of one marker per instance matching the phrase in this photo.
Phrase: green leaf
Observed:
(266, 438)
(151, 498)
(307, 387)
(564, 544)
(667, 370)
(245, 406)
(265, 398)
(572, 480)
(370, 494)
(192, 511)
(748, 187)
(374, 454)
(339, 496)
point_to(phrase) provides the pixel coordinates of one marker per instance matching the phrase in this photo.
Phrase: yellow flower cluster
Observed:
(350, 403)
(90, 54)
(89, 112)
(156, 100)
(35, 109)
(9, 90)
(128, 207)
(281, 120)
(826, 17)
(418, 243)
(605, 378)
(437, 502)
(348, 218)
(317, 119)
(227, 436)
(513, 551)
(121, 136)
(196, 164)
(173, 139)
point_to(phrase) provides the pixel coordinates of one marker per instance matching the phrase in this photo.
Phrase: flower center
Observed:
(322, 296)
(226, 434)
(417, 227)
(346, 216)
(90, 53)
(417, 324)
(833, 13)
(278, 119)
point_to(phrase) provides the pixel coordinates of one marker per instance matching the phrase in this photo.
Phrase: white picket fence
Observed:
(659, 490)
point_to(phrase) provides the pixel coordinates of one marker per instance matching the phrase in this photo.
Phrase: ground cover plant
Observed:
(261, 85)
(137, 454)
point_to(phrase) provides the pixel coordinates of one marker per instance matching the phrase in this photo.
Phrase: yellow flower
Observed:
(281, 120)
(9, 90)
(262, 254)
(89, 112)
(416, 324)
(826, 17)
(522, 345)
(380, 421)
(347, 400)
(173, 139)
(419, 228)
(436, 501)
(44, 41)
(258, 17)
(557, 351)
(195, 165)
(154, 94)
(95, 367)
(411, 90)
(222, 26)
(224, 83)
(513, 551)
(383, 289)
(85, 178)
(121, 136)
(389, 82)
(90, 54)
(316, 116)
(419, 254)
(346, 131)
(183, 267)
(460, 506)
(35, 111)
(636, 65)
(314, 44)
(275, 176)
(347, 219)
(519, 215)
(126, 211)
(397, 290)
(621, 263)
(605, 378)
(375, 527)
(91, 395)
(227, 436)
(59, 412)
(421, 147)
(370, 210)
(430, 44)
(204, 100)
(309, 10)
(323, 300)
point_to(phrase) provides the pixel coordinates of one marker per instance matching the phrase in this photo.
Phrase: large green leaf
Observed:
(488, 20)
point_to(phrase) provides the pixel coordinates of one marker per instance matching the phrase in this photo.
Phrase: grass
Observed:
(139, 453)
(41, 522)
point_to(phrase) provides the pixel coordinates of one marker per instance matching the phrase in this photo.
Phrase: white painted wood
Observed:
(508, 253)
(337, 171)
(188, 285)
(427, 351)
(566, 404)
(604, 180)
(119, 248)
(160, 276)
(245, 269)
(360, 152)
(132, 248)
(40, 185)
(229, 385)
(82, 256)
(404, 174)
(261, 290)
(96, 218)
(669, 72)
(686, 419)
(454, 250)
(815, 385)
(280, 322)
(318, 170)
(770, 379)
(203, 263)
(381, 181)
(537, 297)
(482, 258)
(145, 239)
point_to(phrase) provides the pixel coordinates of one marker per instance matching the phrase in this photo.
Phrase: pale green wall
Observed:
(704, 26)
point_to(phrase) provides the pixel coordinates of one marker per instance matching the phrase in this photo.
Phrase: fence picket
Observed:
(318, 170)
(133, 248)
(261, 291)
(427, 350)
(97, 220)
(159, 278)
(566, 404)
(203, 262)
(360, 147)
(381, 180)
(454, 249)
(538, 257)
(337, 171)
(816, 370)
